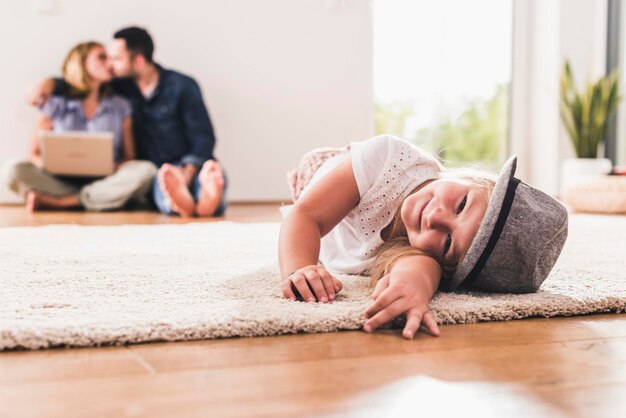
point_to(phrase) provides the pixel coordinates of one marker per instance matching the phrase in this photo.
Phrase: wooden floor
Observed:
(560, 367)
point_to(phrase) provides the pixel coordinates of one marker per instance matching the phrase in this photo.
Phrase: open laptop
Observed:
(87, 154)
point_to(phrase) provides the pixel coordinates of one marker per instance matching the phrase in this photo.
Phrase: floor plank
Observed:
(54, 365)
(240, 352)
(323, 384)
(558, 367)
(13, 215)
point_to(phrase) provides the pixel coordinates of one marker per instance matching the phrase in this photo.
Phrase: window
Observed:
(442, 71)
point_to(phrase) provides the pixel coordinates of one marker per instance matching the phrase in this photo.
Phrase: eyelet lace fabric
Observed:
(386, 170)
(405, 168)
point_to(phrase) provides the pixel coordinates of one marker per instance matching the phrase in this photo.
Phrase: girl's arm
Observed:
(409, 286)
(44, 123)
(128, 140)
(313, 216)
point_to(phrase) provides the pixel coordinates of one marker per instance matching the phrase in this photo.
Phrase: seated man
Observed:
(171, 125)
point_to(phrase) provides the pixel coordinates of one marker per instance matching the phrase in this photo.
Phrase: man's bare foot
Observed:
(36, 201)
(211, 188)
(172, 183)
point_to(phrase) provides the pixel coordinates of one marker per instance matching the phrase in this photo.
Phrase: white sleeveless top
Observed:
(386, 169)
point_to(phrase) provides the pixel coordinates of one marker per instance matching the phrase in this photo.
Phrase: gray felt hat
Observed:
(518, 241)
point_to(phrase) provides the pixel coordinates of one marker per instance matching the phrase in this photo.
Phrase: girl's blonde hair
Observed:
(397, 245)
(74, 69)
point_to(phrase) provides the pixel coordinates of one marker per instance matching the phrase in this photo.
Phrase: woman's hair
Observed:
(397, 245)
(75, 72)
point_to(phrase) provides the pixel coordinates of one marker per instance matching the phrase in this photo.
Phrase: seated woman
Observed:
(89, 107)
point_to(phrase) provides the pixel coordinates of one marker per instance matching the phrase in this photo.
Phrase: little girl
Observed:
(386, 208)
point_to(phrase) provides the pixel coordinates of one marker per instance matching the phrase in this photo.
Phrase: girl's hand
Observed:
(397, 293)
(311, 283)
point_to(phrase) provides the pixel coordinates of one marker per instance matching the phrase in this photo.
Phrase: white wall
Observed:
(534, 107)
(279, 76)
(621, 109)
(546, 32)
(583, 41)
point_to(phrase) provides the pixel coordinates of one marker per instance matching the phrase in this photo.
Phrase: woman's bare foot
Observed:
(32, 203)
(174, 187)
(212, 186)
(36, 201)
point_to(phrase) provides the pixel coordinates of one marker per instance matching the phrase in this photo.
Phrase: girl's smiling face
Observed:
(442, 217)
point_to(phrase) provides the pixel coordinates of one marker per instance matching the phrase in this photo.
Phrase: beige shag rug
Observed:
(67, 285)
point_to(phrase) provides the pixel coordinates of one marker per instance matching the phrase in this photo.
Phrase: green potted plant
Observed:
(585, 115)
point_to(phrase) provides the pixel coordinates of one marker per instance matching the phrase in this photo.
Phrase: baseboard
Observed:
(259, 202)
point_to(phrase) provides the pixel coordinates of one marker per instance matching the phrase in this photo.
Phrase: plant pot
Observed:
(575, 169)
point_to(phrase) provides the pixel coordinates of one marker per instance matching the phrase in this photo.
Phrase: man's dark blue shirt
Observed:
(172, 125)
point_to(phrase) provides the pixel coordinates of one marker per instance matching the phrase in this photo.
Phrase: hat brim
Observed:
(486, 226)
